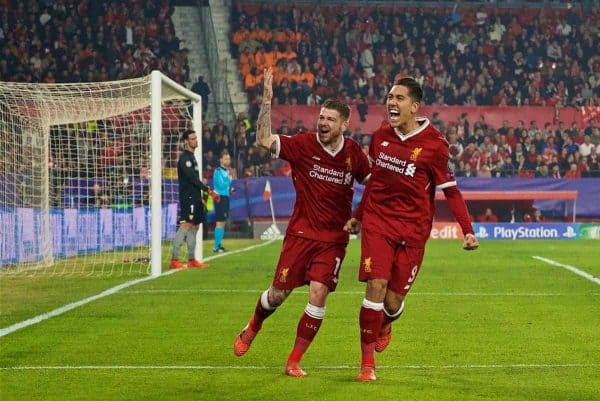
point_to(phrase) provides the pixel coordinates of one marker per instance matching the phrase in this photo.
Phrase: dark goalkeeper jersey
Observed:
(190, 186)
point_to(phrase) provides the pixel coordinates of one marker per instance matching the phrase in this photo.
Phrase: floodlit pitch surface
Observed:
(495, 324)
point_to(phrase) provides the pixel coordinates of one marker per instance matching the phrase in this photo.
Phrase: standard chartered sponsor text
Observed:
(390, 166)
(327, 174)
(392, 159)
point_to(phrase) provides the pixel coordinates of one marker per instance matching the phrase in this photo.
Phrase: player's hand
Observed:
(470, 242)
(352, 226)
(216, 197)
(268, 85)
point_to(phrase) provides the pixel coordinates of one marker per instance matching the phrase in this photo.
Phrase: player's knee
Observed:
(376, 290)
(318, 294)
(276, 296)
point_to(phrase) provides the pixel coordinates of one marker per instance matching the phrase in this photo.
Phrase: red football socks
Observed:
(308, 327)
(262, 311)
(370, 323)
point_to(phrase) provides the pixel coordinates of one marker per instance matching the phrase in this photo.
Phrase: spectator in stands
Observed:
(220, 128)
(100, 197)
(542, 171)
(593, 165)
(283, 129)
(299, 127)
(574, 171)
(537, 216)
(587, 147)
(556, 171)
(209, 161)
(512, 216)
(488, 216)
(201, 88)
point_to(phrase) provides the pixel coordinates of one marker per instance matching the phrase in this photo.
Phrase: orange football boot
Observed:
(293, 369)
(385, 336)
(175, 264)
(193, 263)
(240, 347)
(367, 374)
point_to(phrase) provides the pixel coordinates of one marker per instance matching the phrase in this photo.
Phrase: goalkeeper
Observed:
(191, 208)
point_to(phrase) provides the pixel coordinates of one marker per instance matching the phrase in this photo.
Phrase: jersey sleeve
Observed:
(443, 176)
(363, 167)
(288, 147)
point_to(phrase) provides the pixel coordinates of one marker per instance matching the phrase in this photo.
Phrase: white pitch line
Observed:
(570, 268)
(332, 367)
(66, 308)
(441, 294)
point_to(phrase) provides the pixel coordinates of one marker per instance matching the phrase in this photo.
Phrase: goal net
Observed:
(87, 174)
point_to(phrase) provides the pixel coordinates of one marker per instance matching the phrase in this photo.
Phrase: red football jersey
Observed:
(324, 184)
(405, 171)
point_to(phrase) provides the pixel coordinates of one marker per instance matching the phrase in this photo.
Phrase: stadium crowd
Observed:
(88, 41)
(462, 56)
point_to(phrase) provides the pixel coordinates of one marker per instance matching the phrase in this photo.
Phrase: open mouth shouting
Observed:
(394, 115)
(324, 131)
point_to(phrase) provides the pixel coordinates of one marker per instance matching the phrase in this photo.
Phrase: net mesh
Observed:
(75, 176)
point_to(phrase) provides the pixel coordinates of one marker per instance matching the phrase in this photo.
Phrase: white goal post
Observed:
(156, 91)
(82, 172)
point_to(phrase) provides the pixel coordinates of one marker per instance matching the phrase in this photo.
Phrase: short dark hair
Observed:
(186, 134)
(414, 88)
(224, 152)
(338, 106)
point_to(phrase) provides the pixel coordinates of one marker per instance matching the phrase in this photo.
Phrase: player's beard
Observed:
(327, 138)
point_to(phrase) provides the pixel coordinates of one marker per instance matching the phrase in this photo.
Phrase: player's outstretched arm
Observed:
(264, 137)
(458, 208)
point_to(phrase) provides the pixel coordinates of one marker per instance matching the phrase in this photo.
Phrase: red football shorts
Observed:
(382, 258)
(303, 260)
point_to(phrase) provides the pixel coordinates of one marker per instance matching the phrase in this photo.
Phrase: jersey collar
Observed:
(326, 149)
(424, 122)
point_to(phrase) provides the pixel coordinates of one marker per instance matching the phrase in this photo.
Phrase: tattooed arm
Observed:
(264, 137)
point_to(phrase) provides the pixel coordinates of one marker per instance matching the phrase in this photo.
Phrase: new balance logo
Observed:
(385, 143)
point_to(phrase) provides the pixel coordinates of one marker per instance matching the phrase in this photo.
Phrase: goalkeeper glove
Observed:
(216, 197)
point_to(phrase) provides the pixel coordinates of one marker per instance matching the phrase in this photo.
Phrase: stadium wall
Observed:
(493, 115)
(247, 201)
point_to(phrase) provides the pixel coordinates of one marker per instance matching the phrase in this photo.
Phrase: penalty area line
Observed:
(321, 367)
(570, 268)
(66, 308)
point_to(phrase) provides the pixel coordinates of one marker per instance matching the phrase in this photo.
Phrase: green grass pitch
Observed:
(494, 324)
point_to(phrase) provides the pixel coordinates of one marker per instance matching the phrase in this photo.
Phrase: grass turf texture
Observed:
(172, 337)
